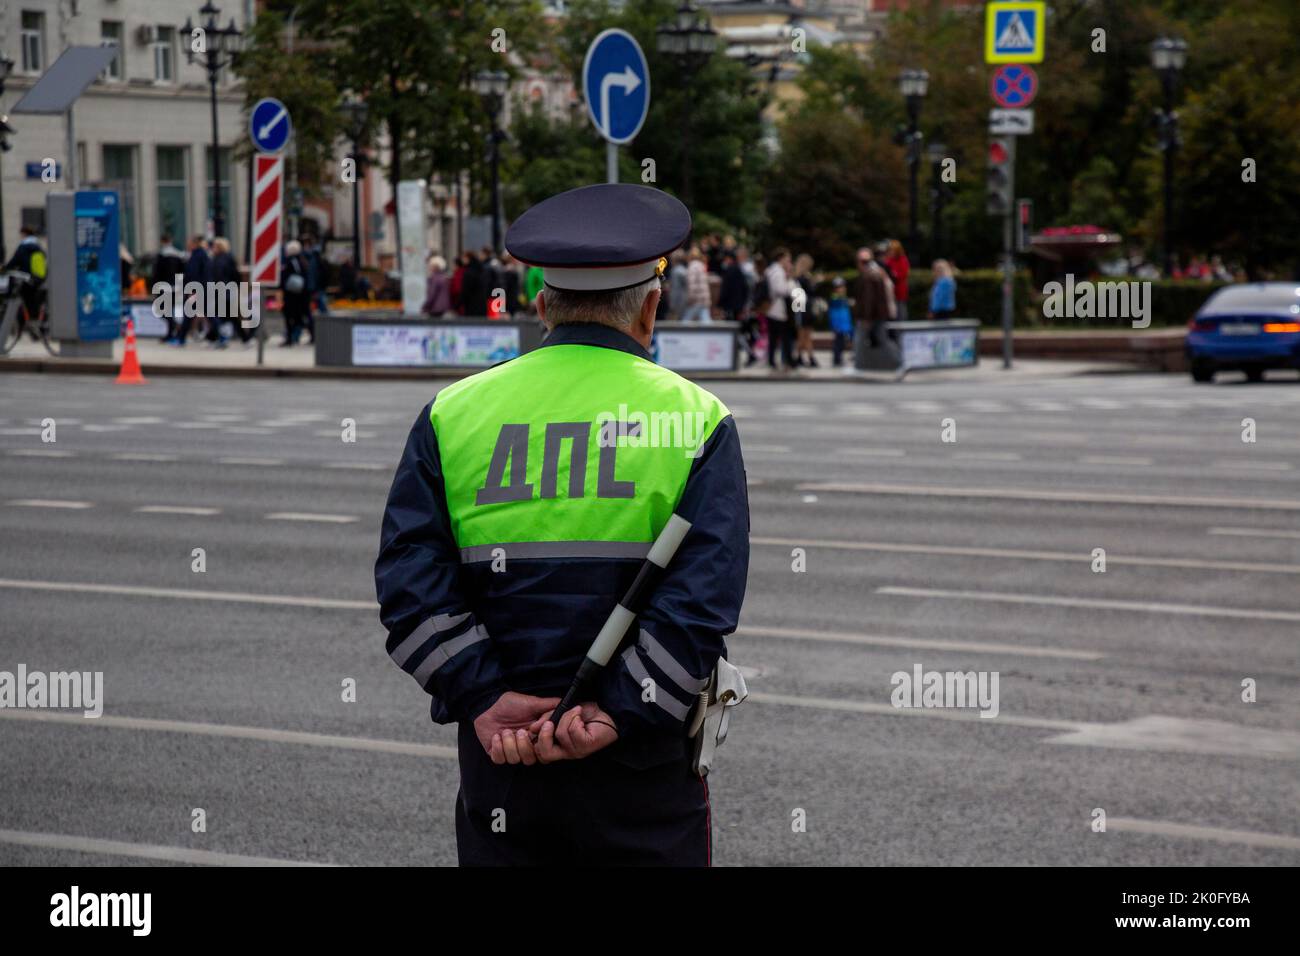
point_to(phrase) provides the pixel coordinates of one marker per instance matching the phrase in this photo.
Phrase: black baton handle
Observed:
(588, 671)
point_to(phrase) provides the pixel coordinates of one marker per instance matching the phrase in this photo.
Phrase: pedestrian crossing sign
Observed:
(1013, 31)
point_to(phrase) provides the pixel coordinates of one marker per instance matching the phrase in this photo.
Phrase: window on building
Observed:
(119, 174)
(172, 193)
(110, 34)
(223, 175)
(164, 55)
(33, 41)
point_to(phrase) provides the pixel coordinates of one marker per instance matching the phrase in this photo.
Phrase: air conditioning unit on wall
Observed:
(145, 34)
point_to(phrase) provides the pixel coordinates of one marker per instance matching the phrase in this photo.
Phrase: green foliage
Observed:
(410, 60)
(724, 106)
(832, 187)
(1093, 155)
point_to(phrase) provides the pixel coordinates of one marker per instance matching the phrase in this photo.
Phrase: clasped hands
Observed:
(517, 729)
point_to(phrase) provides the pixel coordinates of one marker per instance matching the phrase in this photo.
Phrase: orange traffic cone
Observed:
(130, 373)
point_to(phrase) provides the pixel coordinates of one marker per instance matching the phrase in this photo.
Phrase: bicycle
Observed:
(17, 319)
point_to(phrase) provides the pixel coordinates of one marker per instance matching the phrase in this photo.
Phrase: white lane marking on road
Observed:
(1175, 736)
(1157, 732)
(245, 430)
(125, 590)
(963, 551)
(1253, 465)
(49, 503)
(177, 510)
(1104, 403)
(106, 428)
(1120, 460)
(1254, 533)
(877, 452)
(988, 455)
(265, 734)
(793, 409)
(139, 420)
(1029, 494)
(40, 453)
(872, 640)
(226, 417)
(143, 456)
(983, 405)
(20, 431)
(189, 426)
(306, 516)
(919, 407)
(359, 465)
(141, 851)
(1044, 406)
(255, 462)
(889, 710)
(1273, 841)
(1144, 607)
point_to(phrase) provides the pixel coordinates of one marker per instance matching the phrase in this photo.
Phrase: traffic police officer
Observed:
(522, 508)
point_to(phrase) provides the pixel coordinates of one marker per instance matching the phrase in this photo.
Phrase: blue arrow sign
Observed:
(268, 125)
(616, 82)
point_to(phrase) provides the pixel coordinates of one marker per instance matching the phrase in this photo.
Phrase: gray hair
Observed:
(618, 309)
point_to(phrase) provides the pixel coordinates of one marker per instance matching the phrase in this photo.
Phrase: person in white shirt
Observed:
(779, 330)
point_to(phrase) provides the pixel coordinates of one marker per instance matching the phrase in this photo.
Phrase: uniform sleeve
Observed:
(677, 640)
(433, 634)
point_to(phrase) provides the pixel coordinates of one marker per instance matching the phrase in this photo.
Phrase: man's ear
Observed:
(541, 307)
(645, 322)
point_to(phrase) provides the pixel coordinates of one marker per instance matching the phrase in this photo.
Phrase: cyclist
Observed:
(30, 258)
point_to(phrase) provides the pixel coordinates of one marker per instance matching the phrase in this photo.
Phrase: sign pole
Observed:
(616, 86)
(1008, 268)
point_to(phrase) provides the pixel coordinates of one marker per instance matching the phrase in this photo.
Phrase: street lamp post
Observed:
(936, 152)
(6, 65)
(1168, 55)
(220, 49)
(355, 112)
(688, 40)
(913, 84)
(492, 85)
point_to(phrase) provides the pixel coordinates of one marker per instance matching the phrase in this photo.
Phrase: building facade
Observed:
(144, 128)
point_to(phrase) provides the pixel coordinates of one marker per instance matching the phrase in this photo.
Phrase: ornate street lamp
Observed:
(219, 49)
(491, 86)
(6, 67)
(913, 84)
(1168, 56)
(354, 112)
(689, 41)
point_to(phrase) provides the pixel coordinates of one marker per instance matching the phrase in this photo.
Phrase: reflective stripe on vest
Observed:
(568, 445)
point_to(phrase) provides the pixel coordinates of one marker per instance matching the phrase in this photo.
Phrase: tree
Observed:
(725, 114)
(412, 61)
(833, 187)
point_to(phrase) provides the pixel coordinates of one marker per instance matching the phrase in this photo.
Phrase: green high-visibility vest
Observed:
(569, 443)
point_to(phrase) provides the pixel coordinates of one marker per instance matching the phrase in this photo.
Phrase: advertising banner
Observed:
(99, 267)
(433, 345)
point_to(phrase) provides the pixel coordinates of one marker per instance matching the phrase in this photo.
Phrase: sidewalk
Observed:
(197, 358)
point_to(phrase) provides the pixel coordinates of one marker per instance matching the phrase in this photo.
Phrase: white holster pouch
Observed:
(712, 713)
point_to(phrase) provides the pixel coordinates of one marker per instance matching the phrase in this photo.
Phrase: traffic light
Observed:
(1001, 179)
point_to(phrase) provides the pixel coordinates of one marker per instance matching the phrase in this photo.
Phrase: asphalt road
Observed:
(1119, 691)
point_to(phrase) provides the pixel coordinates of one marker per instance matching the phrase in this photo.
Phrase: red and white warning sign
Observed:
(268, 204)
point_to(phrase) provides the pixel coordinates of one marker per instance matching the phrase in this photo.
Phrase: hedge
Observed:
(979, 295)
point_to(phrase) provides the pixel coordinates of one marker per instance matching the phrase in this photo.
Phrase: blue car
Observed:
(1246, 328)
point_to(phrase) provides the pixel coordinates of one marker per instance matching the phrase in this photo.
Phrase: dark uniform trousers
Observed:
(593, 811)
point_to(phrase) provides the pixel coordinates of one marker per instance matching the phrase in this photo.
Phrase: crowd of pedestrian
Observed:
(779, 300)
(481, 284)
